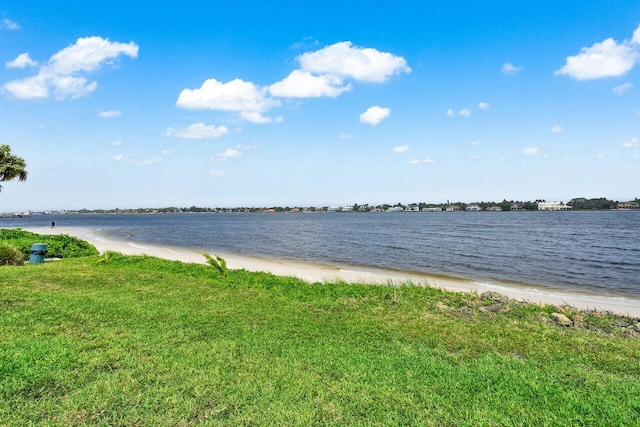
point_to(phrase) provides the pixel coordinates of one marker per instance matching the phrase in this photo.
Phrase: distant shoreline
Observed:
(316, 272)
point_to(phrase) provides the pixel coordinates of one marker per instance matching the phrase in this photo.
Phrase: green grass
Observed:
(58, 246)
(138, 341)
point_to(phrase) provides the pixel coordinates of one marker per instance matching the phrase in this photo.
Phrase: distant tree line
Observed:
(579, 203)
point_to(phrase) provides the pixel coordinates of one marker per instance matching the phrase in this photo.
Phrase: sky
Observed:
(117, 104)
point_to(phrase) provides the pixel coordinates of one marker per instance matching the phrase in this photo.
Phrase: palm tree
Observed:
(11, 166)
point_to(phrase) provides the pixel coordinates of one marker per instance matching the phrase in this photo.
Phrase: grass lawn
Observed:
(139, 341)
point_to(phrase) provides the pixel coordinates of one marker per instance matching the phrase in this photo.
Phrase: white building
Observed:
(553, 206)
(413, 207)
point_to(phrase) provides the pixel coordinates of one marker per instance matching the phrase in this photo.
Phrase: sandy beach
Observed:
(313, 272)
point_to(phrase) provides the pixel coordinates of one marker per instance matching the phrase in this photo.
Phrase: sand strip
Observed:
(313, 272)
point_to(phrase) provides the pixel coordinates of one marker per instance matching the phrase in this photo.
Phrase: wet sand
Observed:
(313, 272)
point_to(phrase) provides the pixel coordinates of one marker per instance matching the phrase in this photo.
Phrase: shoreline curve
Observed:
(316, 272)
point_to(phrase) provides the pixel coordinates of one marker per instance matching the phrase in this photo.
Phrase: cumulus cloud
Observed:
(465, 113)
(511, 70)
(246, 98)
(484, 106)
(557, 129)
(109, 114)
(322, 73)
(62, 74)
(531, 151)
(8, 24)
(303, 84)
(635, 39)
(116, 143)
(346, 136)
(621, 89)
(426, 161)
(401, 149)
(450, 112)
(229, 153)
(374, 115)
(605, 59)
(233, 153)
(632, 143)
(348, 61)
(198, 131)
(22, 61)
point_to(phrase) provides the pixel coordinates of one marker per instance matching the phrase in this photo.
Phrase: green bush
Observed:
(10, 255)
(58, 246)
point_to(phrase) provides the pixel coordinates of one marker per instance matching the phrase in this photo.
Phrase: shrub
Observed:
(10, 255)
(58, 246)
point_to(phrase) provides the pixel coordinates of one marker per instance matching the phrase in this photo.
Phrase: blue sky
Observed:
(152, 104)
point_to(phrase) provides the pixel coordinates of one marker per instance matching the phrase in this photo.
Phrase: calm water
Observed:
(589, 251)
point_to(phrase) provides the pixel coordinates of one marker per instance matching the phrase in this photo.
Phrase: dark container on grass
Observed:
(37, 253)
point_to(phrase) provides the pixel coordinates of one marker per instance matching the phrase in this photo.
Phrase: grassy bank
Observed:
(142, 341)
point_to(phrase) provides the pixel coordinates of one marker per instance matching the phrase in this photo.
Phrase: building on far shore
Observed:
(553, 206)
(628, 205)
(474, 208)
(413, 207)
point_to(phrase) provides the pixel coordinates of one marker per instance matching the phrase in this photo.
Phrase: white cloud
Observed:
(531, 151)
(321, 74)
(621, 89)
(10, 25)
(557, 129)
(216, 172)
(601, 156)
(632, 143)
(511, 70)
(450, 112)
(362, 64)
(109, 114)
(167, 152)
(239, 96)
(61, 73)
(374, 115)
(401, 149)
(198, 131)
(136, 161)
(484, 106)
(258, 118)
(230, 153)
(605, 59)
(465, 113)
(426, 161)
(116, 143)
(302, 84)
(636, 36)
(346, 136)
(233, 153)
(475, 143)
(22, 61)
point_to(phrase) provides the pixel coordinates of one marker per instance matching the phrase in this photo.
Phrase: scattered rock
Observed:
(442, 307)
(632, 333)
(637, 327)
(578, 321)
(495, 297)
(495, 308)
(561, 319)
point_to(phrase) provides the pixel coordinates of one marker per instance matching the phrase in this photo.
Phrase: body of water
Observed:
(595, 252)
